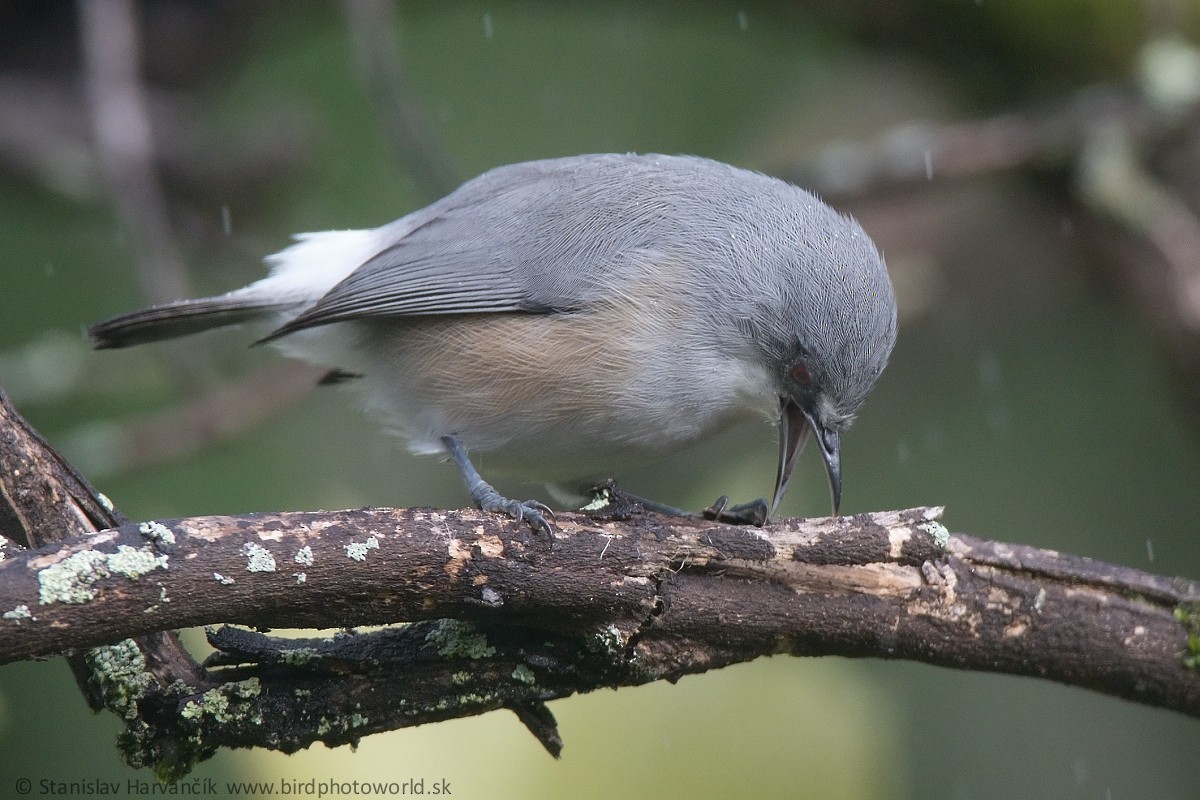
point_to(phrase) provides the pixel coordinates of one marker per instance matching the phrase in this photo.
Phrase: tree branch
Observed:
(502, 621)
(493, 619)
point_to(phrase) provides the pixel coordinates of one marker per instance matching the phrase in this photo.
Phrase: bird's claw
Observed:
(753, 513)
(531, 512)
(534, 513)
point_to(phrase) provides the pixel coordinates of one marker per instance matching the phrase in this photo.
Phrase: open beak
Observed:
(795, 425)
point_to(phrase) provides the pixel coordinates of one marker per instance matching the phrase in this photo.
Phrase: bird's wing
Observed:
(537, 237)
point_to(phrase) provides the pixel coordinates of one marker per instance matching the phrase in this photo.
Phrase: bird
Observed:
(571, 317)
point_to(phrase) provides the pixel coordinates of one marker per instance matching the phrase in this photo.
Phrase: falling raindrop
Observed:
(932, 436)
(989, 372)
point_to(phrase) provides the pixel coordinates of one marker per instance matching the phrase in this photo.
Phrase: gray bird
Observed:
(573, 316)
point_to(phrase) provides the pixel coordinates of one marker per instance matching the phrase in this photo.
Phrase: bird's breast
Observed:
(557, 396)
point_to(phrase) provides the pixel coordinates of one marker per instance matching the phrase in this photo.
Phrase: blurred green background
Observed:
(1027, 393)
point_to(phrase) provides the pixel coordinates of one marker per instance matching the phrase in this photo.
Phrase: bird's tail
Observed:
(299, 275)
(179, 318)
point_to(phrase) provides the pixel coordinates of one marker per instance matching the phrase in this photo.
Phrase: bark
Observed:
(483, 615)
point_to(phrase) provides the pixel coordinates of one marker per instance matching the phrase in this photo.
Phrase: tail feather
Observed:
(180, 318)
(300, 275)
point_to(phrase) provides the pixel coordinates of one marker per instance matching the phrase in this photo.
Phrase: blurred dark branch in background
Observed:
(46, 137)
(1127, 160)
(494, 619)
(125, 144)
(373, 35)
(43, 135)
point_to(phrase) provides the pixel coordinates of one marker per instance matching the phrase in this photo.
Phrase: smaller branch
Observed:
(44, 501)
(538, 720)
(1114, 182)
(918, 153)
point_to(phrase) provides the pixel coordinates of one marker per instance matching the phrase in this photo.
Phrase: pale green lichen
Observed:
(134, 562)
(298, 656)
(600, 501)
(458, 639)
(524, 674)
(1188, 615)
(223, 705)
(610, 639)
(938, 531)
(224, 580)
(119, 672)
(156, 531)
(71, 580)
(19, 613)
(212, 703)
(120, 678)
(358, 550)
(304, 556)
(325, 725)
(258, 558)
(469, 699)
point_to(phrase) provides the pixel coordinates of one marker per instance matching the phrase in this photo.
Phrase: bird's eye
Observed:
(800, 373)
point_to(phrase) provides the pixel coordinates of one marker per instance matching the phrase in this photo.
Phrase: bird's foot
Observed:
(531, 512)
(753, 513)
(488, 499)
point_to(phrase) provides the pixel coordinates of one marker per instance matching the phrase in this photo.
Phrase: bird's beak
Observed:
(795, 424)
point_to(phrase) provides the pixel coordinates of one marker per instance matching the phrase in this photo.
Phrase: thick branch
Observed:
(614, 603)
(495, 619)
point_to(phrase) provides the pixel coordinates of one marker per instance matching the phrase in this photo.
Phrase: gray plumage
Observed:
(571, 315)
